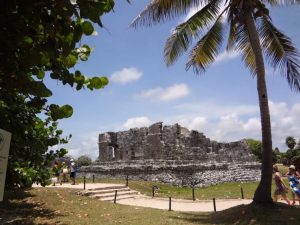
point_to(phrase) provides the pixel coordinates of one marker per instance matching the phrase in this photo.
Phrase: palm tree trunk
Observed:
(263, 191)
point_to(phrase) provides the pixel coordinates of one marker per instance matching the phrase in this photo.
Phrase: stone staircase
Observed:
(108, 193)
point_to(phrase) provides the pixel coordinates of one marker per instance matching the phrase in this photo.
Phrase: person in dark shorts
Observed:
(73, 172)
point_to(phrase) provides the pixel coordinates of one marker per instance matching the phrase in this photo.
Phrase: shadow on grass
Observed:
(253, 214)
(18, 208)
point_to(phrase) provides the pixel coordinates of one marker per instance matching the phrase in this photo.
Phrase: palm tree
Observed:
(290, 142)
(251, 33)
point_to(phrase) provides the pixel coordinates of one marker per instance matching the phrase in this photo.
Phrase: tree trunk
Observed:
(263, 191)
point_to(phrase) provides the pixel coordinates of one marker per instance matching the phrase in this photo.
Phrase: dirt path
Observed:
(184, 205)
(163, 203)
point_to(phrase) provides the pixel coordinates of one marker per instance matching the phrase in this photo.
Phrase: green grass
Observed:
(62, 206)
(220, 191)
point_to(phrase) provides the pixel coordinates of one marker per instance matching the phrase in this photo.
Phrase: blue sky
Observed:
(222, 103)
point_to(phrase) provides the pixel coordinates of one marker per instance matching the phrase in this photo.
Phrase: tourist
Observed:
(73, 172)
(281, 189)
(55, 171)
(293, 177)
(64, 171)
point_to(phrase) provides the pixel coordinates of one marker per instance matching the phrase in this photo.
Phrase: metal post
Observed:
(170, 203)
(115, 199)
(153, 191)
(127, 181)
(242, 192)
(93, 178)
(193, 194)
(83, 182)
(214, 202)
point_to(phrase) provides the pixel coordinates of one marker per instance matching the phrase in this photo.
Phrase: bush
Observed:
(84, 160)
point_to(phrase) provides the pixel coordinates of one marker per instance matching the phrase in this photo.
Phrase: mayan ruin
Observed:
(172, 154)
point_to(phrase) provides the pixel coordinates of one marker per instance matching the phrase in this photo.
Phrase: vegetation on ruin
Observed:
(39, 40)
(62, 206)
(251, 33)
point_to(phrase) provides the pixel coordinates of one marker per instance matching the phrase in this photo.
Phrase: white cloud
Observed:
(213, 110)
(235, 122)
(137, 122)
(166, 94)
(126, 75)
(196, 123)
(86, 144)
(252, 125)
(226, 56)
(223, 123)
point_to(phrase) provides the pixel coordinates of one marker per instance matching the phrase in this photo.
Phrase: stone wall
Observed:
(177, 172)
(168, 143)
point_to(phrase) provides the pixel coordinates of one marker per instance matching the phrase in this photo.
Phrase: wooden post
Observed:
(83, 182)
(193, 194)
(153, 191)
(170, 203)
(242, 192)
(127, 181)
(93, 178)
(214, 202)
(115, 199)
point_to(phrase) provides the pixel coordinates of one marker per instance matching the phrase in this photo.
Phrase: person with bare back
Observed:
(281, 188)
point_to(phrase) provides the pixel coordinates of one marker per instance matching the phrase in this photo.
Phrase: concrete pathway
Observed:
(162, 203)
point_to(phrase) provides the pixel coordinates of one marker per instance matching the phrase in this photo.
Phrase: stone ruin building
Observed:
(172, 154)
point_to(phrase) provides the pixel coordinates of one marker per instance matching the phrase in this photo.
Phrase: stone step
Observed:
(104, 191)
(107, 188)
(112, 194)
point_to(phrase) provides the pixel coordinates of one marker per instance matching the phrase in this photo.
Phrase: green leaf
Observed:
(71, 60)
(67, 111)
(40, 74)
(44, 59)
(87, 28)
(53, 141)
(96, 83)
(27, 40)
(78, 33)
(57, 112)
(38, 88)
(104, 81)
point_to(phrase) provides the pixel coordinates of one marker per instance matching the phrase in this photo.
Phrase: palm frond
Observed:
(184, 33)
(232, 31)
(242, 44)
(206, 50)
(160, 10)
(280, 52)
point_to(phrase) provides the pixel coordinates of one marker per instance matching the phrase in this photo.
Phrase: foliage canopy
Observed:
(38, 39)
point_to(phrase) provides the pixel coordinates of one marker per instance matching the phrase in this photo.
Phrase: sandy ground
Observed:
(184, 205)
(163, 203)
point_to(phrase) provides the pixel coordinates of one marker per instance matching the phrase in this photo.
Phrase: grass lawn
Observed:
(220, 191)
(62, 206)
